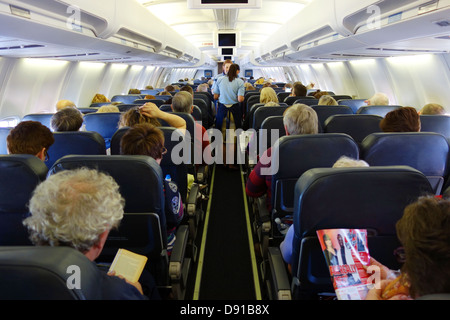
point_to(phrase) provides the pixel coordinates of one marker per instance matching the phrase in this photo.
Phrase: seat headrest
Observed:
(363, 197)
(44, 273)
(20, 174)
(424, 151)
(293, 155)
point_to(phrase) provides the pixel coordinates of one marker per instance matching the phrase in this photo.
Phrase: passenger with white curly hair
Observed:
(78, 208)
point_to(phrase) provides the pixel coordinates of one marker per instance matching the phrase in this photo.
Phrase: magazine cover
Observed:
(346, 252)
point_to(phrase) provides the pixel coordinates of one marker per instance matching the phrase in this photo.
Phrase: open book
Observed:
(128, 264)
(346, 252)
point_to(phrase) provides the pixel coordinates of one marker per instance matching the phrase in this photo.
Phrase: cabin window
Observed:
(9, 122)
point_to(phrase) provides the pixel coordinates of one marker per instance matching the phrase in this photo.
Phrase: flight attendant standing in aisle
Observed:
(230, 91)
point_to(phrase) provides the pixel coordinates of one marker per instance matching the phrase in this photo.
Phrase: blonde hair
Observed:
(108, 108)
(432, 108)
(327, 100)
(100, 98)
(346, 162)
(300, 119)
(268, 95)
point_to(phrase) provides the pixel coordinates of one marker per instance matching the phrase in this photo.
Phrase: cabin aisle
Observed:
(226, 270)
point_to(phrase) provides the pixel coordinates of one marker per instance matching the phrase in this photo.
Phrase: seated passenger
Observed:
(85, 205)
(286, 244)
(298, 90)
(100, 98)
(432, 108)
(378, 99)
(108, 108)
(404, 119)
(327, 100)
(30, 137)
(297, 119)
(183, 102)
(67, 119)
(424, 233)
(150, 113)
(268, 94)
(134, 91)
(61, 104)
(146, 139)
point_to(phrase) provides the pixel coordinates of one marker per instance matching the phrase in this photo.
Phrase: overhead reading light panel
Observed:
(224, 4)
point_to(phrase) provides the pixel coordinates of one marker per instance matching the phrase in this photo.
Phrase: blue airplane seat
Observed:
(43, 273)
(19, 176)
(371, 198)
(44, 118)
(106, 124)
(424, 151)
(75, 142)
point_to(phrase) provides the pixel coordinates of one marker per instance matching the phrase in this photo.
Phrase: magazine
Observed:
(346, 252)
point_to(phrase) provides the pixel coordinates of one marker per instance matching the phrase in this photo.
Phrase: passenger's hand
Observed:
(385, 272)
(376, 292)
(150, 109)
(137, 285)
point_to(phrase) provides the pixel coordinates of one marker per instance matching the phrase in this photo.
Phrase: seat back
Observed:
(354, 104)
(106, 124)
(424, 151)
(271, 127)
(124, 107)
(177, 159)
(126, 98)
(358, 126)
(115, 140)
(293, 155)
(436, 123)
(262, 113)
(196, 112)
(371, 198)
(141, 102)
(252, 100)
(207, 118)
(309, 101)
(76, 142)
(43, 273)
(19, 176)
(140, 178)
(324, 112)
(44, 118)
(377, 110)
(4, 132)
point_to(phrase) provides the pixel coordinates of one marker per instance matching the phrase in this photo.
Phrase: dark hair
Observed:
(67, 119)
(299, 90)
(233, 72)
(143, 139)
(404, 119)
(29, 137)
(424, 231)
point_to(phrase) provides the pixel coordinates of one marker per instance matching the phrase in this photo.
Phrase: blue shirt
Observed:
(229, 91)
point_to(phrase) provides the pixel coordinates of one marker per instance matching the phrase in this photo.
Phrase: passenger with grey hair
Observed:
(183, 102)
(378, 99)
(85, 205)
(297, 119)
(67, 119)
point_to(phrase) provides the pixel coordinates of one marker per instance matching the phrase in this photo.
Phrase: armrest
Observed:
(178, 252)
(264, 214)
(200, 173)
(191, 205)
(279, 275)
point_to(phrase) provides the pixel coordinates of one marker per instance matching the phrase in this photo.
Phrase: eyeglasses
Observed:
(163, 151)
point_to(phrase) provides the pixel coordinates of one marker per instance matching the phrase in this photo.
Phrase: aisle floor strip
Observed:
(250, 242)
(203, 243)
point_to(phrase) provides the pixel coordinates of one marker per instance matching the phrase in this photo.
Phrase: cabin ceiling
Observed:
(280, 33)
(198, 25)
